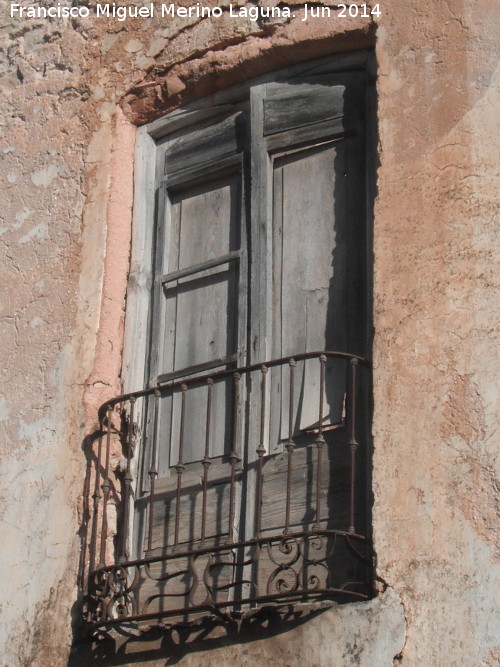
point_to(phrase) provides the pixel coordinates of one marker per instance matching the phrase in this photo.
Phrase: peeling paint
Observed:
(44, 177)
(38, 232)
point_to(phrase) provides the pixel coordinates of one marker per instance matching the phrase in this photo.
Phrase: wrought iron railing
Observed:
(223, 493)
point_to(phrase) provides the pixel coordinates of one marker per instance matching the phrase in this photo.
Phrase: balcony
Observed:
(220, 495)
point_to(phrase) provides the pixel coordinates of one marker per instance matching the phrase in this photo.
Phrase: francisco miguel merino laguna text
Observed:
(120, 13)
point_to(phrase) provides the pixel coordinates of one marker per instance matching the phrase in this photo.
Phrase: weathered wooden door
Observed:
(310, 171)
(261, 254)
(199, 320)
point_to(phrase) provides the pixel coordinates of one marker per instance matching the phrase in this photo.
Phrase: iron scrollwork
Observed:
(180, 587)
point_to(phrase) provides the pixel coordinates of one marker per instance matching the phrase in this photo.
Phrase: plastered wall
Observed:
(72, 93)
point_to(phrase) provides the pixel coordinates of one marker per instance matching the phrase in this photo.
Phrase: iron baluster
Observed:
(206, 459)
(153, 469)
(96, 497)
(320, 441)
(261, 450)
(106, 486)
(180, 464)
(128, 483)
(233, 456)
(353, 444)
(290, 445)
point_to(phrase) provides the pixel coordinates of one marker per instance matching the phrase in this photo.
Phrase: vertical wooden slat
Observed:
(278, 398)
(309, 286)
(261, 229)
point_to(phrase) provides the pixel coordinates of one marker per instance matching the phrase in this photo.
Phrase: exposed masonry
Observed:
(436, 365)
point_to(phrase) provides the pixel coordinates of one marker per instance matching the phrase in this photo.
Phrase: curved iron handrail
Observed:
(226, 373)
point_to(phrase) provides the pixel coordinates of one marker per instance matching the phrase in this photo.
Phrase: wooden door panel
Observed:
(208, 215)
(201, 313)
(291, 106)
(310, 297)
(190, 509)
(334, 488)
(195, 431)
(206, 318)
(207, 143)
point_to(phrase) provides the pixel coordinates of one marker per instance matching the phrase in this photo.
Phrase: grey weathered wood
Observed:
(191, 506)
(202, 266)
(197, 368)
(209, 220)
(261, 232)
(195, 430)
(296, 303)
(334, 489)
(206, 317)
(298, 106)
(278, 376)
(260, 293)
(309, 278)
(136, 333)
(201, 172)
(181, 118)
(354, 64)
(165, 306)
(201, 298)
(206, 144)
(347, 64)
(315, 133)
(179, 583)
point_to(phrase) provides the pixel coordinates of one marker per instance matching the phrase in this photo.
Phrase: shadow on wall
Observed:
(171, 645)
